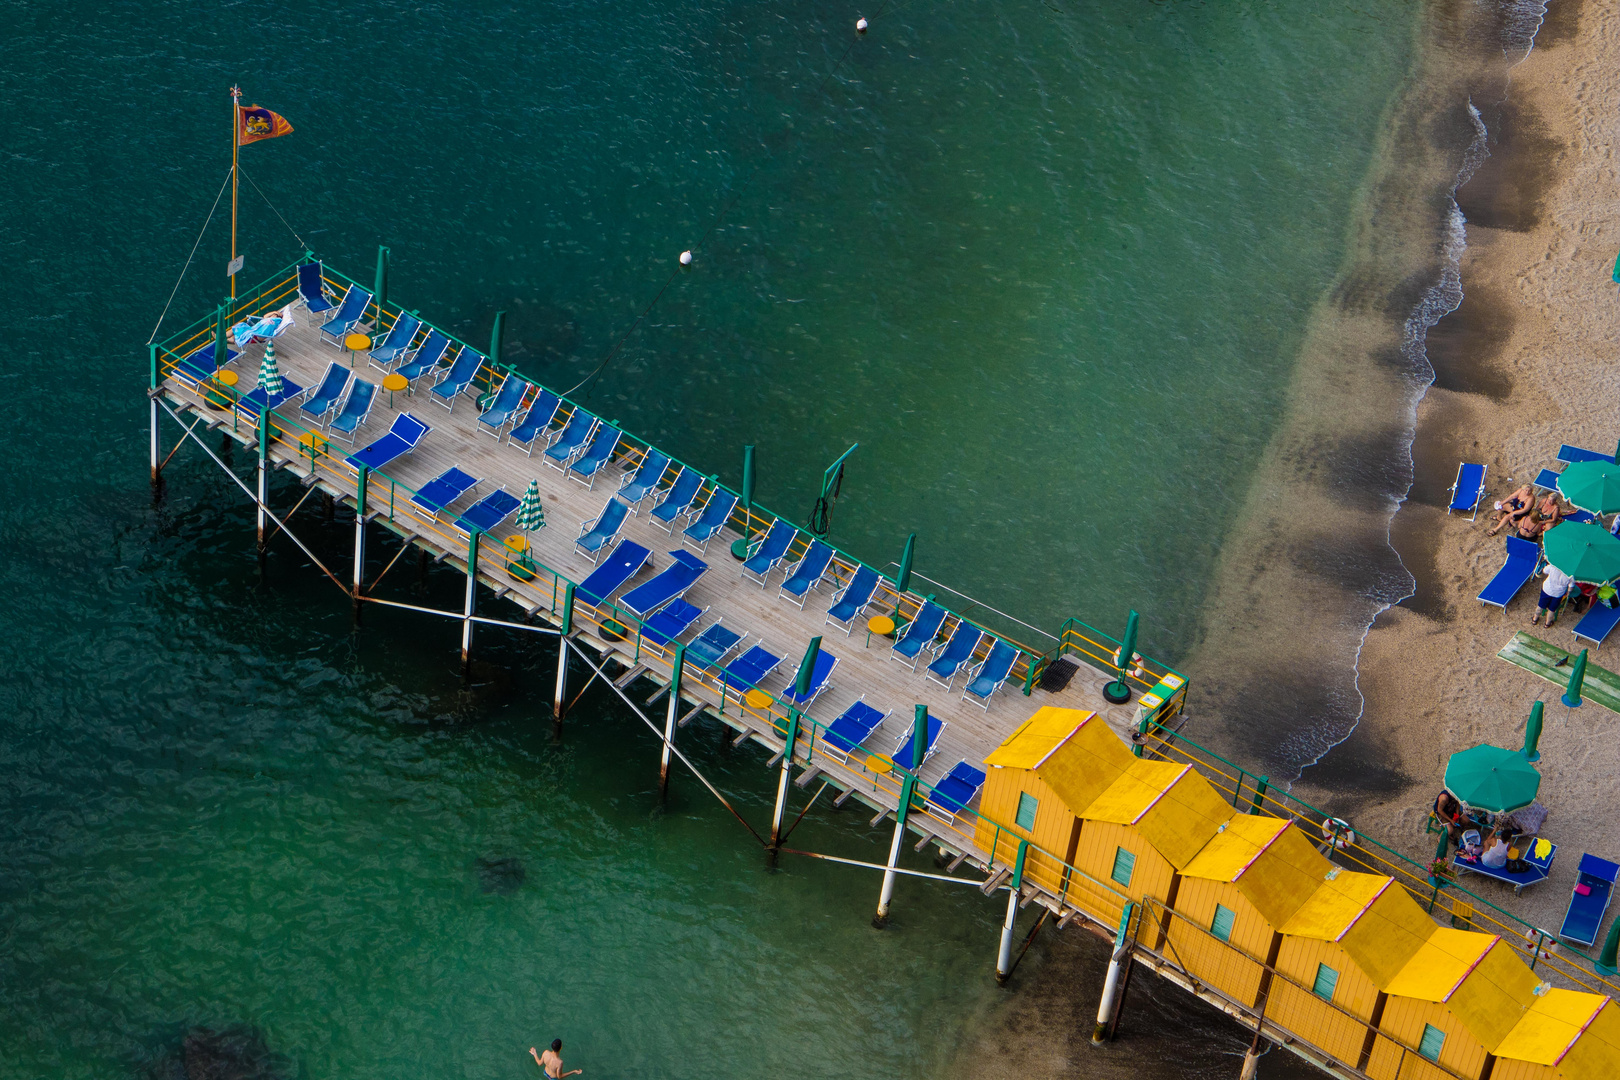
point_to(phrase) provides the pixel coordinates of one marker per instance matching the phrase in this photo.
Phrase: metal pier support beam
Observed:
(562, 662)
(264, 475)
(1004, 954)
(669, 717)
(359, 538)
(1112, 996)
(472, 597)
(782, 782)
(151, 355)
(881, 919)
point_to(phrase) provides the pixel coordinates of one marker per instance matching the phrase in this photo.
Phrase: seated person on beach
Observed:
(1495, 855)
(1553, 591)
(1449, 812)
(1514, 507)
(1538, 520)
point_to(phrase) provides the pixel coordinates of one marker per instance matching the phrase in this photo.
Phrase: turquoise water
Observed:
(1047, 264)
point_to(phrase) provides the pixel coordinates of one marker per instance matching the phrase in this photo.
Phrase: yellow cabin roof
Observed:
(1071, 750)
(1235, 848)
(1037, 737)
(1271, 860)
(1336, 905)
(1596, 1052)
(1552, 1026)
(1441, 964)
(1375, 921)
(1494, 996)
(1174, 808)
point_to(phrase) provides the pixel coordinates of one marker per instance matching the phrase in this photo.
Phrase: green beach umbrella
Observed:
(222, 325)
(1119, 691)
(1532, 733)
(1592, 485)
(919, 738)
(269, 374)
(1491, 778)
(1585, 552)
(379, 286)
(1577, 676)
(531, 516)
(903, 578)
(748, 486)
(807, 669)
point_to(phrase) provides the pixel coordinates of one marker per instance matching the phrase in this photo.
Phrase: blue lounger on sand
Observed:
(991, 673)
(255, 399)
(1522, 558)
(357, 405)
(569, 444)
(845, 735)
(679, 576)
(534, 421)
(769, 551)
(401, 439)
(622, 564)
(713, 645)
(395, 344)
(353, 309)
(952, 795)
(1585, 912)
(427, 357)
(504, 406)
(1467, 490)
(669, 623)
(958, 651)
(1569, 455)
(312, 290)
(636, 486)
(825, 663)
(918, 635)
(594, 538)
(806, 574)
(488, 512)
(751, 668)
(598, 452)
(437, 494)
(677, 499)
(716, 512)
(1596, 623)
(1547, 480)
(1536, 870)
(328, 393)
(457, 377)
(903, 749)
(850, 601)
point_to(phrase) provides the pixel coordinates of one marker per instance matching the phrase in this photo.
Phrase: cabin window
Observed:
(1221, 926)
(1124, 863)
(1027, 805)
(1327, 981)
(1433, 1039)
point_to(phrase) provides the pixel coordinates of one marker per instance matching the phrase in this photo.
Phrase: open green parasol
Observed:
(1491, 778)
(1585, 552)
(1592, 485)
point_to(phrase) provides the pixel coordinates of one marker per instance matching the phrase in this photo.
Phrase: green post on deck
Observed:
(1606, 959)
(919, 738)
(360, 495)
(792, 739)
(1259, 794)
(151, 352)
(568, 610)
(379, 288)
(1018, 866)
(497, 337)
(907, 786)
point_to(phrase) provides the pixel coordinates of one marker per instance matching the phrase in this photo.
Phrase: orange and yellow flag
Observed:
(254, 123)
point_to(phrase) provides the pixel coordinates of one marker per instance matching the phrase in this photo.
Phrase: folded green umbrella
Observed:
(1491, 778)
(1585, 552)
(1592, 485)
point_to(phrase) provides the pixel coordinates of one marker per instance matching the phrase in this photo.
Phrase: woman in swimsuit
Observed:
(1514, 507)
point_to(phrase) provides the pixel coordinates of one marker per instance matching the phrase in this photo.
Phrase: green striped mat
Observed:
(1601, 686)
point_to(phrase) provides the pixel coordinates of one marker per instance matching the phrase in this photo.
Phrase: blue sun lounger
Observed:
(357, 405)
(604, 441)
(534, 421)
(623, 563)
(1467, 490)
(581, 425)
(1536, 870)
(504, 406)
(594, 538)
(713, 645)
(903, 748)
(1522, 558)
(716, 512)
(199, 364)
(255, 398)
(668, 623)
(401, 439)
(850, 601)
(1569, 455)
(853, 727)
(457, 377)
(825, 663)
(769, 551)
(677, 499)
(637, 486)
(330, 391)
(437, 494)
(427, 357)
(1596, 623)
(395, 344)
(751, 668)
(990, 674)
(1585, 912)
(919, 634)
(672, 584)
(312, 290)
(488, 512)
(355, 302)
(1547, 480)
(1579, 517)
(952, 795)
(958, 651)
(806, 574)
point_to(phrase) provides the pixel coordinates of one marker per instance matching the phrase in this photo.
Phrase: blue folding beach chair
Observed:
(353, 309)
(1569, 455)
(850, 601)
(716, 512)
(594, 538)
(437, 494)
(819, 675)
(254, 399)
(623, 563)
(1596, 623)
(403, 436)
(357, 405)
(769, 551)
(678, 577)
(952, 795)
(534, 421)
(637, 486)
(853, 727)
(750, 669)
(1467, 490)
(668, 623)
(457, 377)
(919, 635)
(806, 574)
(958, 651)
(198, 365)
(713, 645)
(1523, 556)
(903, 747)
(312, 289)
(677, 499)
(990, 674)
(571, 441)
(598, 452)
(504, 406)
(1546, 480)
(330, 391)
(488, 512)
(427, 357)
(1585, 912)
(395, 344)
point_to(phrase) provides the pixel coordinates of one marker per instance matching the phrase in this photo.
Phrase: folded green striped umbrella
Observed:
(531, 516)
(269, 374)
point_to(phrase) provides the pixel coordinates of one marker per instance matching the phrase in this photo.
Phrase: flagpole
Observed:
(236, 142)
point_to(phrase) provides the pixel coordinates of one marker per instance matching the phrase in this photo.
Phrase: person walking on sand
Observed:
(1553, 591)
(551, 1062)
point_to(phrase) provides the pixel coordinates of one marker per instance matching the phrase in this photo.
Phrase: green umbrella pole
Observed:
(1118, 692)
(1532, 733)
(1577, 677)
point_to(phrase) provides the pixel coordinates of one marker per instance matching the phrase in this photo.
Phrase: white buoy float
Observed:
(860, 25)
(686, 258)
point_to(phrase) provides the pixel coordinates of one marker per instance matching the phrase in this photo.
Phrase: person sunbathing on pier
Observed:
(551, 1062)
(1514, 507)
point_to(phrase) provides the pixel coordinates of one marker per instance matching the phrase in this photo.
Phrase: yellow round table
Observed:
(878, 624)
(394, 381)
(518, 544)
(758, 699)
(879, 765)
(226, 378)
(356, 342)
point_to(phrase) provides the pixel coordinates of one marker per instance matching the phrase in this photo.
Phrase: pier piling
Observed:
(151, 352)
(669, 718)
(881, 919)
(562, 662)
(359, 539)
(782, 781)
(1004, 954)
(264, 478)
(1113, 988)
(472, 597)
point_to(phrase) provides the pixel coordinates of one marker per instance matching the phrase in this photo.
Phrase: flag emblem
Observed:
(255, 123)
